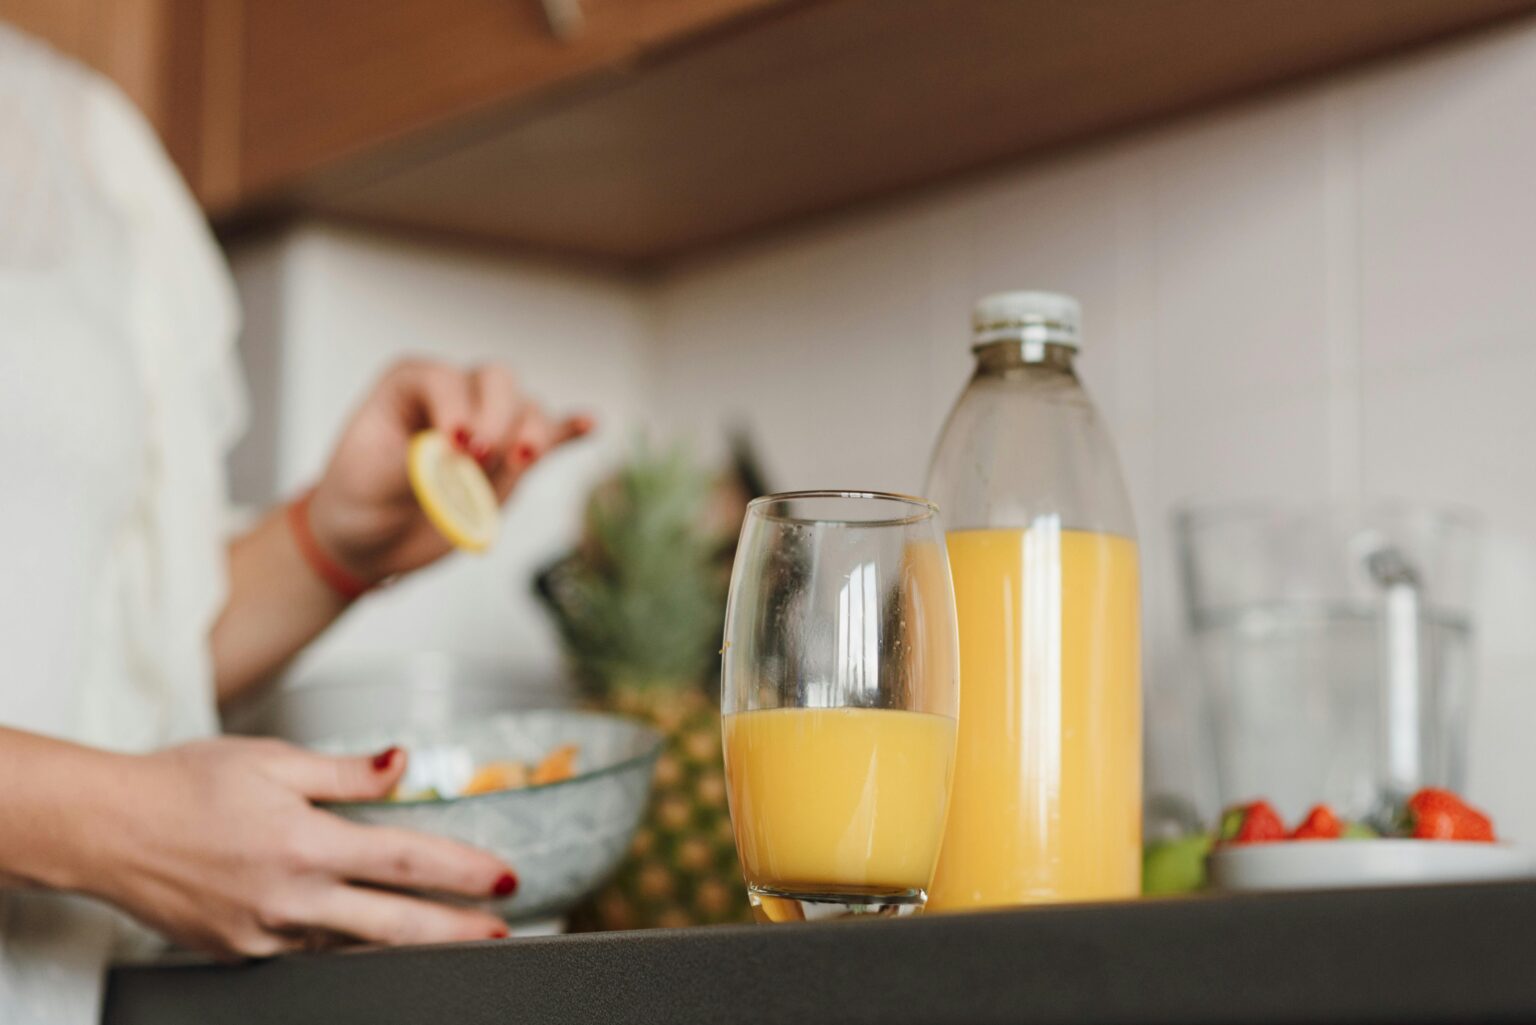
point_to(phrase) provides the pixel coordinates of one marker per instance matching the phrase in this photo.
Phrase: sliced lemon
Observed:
(453, 492)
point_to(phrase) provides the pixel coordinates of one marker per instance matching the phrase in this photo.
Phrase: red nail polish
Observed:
(481, 452)
(384, 759)
(525, 454)
(506, 885)
(500, 934)
(461, 438)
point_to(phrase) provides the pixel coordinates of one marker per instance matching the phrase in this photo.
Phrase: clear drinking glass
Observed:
(839, 688)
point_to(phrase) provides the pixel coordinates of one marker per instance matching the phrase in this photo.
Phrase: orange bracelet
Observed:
(336, 576)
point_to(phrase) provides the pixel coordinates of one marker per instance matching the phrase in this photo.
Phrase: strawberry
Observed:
(1255, 822)
(1320, 824)
(1435, 814)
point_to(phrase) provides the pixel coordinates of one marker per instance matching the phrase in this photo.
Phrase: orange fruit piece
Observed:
(494, 776)
(559, 764)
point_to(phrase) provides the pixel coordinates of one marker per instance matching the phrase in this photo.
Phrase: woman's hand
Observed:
(363, 511)
(217, 845)
(363, 514)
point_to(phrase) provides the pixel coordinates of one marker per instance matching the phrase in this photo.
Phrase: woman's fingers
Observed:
(485, 415)
(322, 777)
(496, 406)
(542, 434)
(533, 435)
(379, 917)
(482, 409)
(536, 434)
(414, 861)
(573, 427)
(434, 395)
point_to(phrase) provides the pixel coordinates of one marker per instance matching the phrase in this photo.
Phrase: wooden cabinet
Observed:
(324, 81)
(813, 106)
(647, 130)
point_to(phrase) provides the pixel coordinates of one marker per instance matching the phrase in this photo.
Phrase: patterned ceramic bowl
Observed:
(565, 838)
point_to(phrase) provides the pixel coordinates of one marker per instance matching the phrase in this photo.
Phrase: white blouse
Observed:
(119, 397)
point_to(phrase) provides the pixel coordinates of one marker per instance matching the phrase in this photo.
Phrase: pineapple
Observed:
(640, 607)
(682, 869)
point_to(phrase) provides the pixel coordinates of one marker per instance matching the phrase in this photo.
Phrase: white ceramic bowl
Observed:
(1336, 864)
(564, 839)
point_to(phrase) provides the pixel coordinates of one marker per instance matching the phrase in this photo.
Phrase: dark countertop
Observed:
(1433, 954)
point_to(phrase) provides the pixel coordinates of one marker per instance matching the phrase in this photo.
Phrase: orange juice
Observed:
(838, 800)
(1046, 803)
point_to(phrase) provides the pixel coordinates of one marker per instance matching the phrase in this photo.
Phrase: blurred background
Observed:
(1302, 231)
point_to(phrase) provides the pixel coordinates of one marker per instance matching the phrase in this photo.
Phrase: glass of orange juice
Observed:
(839, 688)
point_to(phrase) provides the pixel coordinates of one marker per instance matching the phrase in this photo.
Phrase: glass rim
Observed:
(927, 510)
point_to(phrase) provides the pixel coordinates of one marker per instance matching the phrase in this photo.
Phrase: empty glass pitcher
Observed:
(1335, 647)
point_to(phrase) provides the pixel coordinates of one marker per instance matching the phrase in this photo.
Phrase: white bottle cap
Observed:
(1026, 317)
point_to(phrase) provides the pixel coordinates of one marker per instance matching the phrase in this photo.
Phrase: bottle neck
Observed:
(998, 359)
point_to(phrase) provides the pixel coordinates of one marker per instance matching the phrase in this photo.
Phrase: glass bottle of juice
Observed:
(1046, 804)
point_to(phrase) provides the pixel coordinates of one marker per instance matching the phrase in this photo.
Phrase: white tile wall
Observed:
(1447, 151)
(1330, 292)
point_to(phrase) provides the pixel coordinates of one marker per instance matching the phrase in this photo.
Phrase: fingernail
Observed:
(500, 934)
(481, 452)
(525, 453)
(385, 758)
(506, 885)
(583, 424)
(461, 439)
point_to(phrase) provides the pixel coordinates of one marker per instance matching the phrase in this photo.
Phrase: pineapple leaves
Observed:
(641, 602)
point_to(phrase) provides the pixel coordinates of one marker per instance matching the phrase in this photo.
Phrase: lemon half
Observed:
(453, 492)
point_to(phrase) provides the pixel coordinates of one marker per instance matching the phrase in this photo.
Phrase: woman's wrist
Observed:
(277, 603)
(356, 536)
(113, 803)
(323, 556)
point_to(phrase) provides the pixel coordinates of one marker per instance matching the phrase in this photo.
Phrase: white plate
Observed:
(1334, 864)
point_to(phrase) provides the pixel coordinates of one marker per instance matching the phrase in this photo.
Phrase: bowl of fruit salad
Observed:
(1434, 837)
(556, 794)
